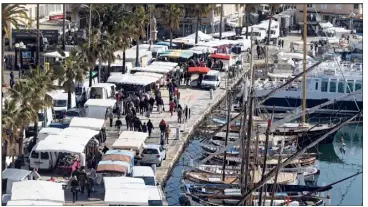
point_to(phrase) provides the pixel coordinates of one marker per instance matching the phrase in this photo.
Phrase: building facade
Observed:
(329, 12)
(232, 16)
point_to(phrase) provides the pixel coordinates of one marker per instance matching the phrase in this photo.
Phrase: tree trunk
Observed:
(171, 33)
(3, 64)
(108, 68)
(221, 14)
(38, 37)
(123, 71)
(137, 54)
(171, 37)
(197, 28)
(90, 77)
(63, 26)
(69, 99)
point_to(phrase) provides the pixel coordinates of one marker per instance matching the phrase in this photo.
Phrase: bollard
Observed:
(177, 132)
(211, 93)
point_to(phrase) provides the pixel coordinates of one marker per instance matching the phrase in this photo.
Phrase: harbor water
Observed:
(333, 163)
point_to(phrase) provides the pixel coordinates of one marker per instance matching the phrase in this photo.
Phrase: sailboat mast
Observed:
(304, 95)
(227, 126)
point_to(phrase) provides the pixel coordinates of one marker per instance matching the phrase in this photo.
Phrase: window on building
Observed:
(324, 85)
(323, 6)
(332, 87)
(338, 6)
(349, 87)
(341, 87)
(317, 85)
(326, 17)
(309, 5)
(42, 11)
(358, 86)
(356, 6)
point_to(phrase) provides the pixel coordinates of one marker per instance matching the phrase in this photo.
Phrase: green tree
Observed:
(140, 21)
(200, 11)
(171, 14)
(73, 71)
(12, 15)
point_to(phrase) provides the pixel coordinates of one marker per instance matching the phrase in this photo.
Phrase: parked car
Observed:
(153, 154)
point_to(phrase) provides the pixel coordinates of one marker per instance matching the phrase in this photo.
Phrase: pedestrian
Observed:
(162, 127)
(118, 109)
(171, 104)
(258, 51)
(167, 133)
(149, 127)
(89, 186)
(111, 116)
(74, 188)
(180, 112)
(144, 127)
(186, 112)
(82, 178)
(127, 120)
(118, 125)
(105, 149)
(279, 43)
(282, 43)
(137, 124)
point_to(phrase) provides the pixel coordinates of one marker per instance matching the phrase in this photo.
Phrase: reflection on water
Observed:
(334, 165)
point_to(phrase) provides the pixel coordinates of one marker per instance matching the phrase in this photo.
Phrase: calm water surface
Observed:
(334, 165)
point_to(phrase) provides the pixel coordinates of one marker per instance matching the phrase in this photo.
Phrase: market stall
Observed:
(175, 55)
(36, 191)
(133, 83)
(89, 123)
(134, 145)
(113, 168)
(96, 108)
(198, 70)
(93, 143)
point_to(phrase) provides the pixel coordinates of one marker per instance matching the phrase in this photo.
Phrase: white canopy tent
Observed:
(128, 144)
(123, 182)
(162, 63)
(87, 123)
(37, 190)
(132, 79)
(133, 135)
(58, 143)
(33, 203)
(78, 132)
(154, 75)
(201, 36)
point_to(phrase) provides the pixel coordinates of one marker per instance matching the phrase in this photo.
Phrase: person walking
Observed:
(82, 178)
(167, 133)
(127, 120)
(74, 188)
(89, 186)
(186, 112)
(11, 79)
(118, 125)
(180, 113)
(171, 104)
(149, 127)
(111, 116)
(144, 127)
(162, 127)
(282, 43)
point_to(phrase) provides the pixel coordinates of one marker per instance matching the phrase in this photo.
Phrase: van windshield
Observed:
(148, 180)
(60, 103)
(210, 78)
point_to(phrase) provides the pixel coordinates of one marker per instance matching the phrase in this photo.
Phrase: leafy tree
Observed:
(171, 14)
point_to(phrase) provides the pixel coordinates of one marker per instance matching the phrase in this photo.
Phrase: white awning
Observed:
(79, 132)
(128, 144)
(127, 197)
(37, 190)
(33, 203)
(123, 182)
(133, 135)
(87, 123)
(58, 143)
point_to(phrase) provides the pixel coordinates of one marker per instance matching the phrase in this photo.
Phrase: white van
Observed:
(155, 196)
(146, 173)
(60, 103)
(45, 118)
(102, 91)
(43, 160)
(211, 80)
(80, 87)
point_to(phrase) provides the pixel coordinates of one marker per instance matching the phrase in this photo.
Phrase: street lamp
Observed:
(18, 48)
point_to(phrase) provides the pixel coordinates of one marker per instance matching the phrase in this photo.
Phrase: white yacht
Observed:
(323, 84)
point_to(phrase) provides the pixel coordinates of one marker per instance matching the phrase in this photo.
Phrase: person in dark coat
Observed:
(162, 127)
(89, 185)
(82, 178)
(186, 110)
(144, 127)
(282, 43)
(149, 127)
(128, 118)
(105, 149)
(75, 188)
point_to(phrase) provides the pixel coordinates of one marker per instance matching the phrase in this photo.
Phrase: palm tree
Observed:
(171, 14)
(139, 20)
(31, 93)
(201, 11)
(73, 71)
(11, 15)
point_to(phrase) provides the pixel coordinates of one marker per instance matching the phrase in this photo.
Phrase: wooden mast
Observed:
(304, 95)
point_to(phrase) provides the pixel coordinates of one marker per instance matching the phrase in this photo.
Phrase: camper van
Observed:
(102, 91)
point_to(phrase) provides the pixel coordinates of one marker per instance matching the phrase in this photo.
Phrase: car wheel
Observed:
(159, 164)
